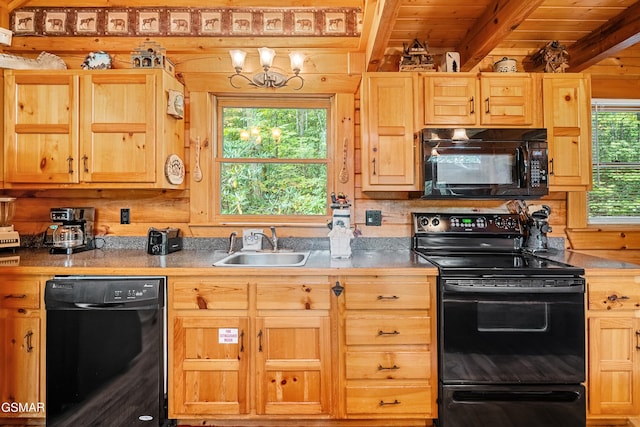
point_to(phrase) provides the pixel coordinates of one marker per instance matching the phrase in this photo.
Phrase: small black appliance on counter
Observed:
(71, 231)
(163, 241)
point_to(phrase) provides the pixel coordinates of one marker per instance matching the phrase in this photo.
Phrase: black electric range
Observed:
(511, 350)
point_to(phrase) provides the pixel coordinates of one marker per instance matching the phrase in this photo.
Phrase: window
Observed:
(615, 197)
(272, 158)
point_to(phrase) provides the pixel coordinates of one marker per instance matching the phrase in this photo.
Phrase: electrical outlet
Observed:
(373, 218)
(125, 216)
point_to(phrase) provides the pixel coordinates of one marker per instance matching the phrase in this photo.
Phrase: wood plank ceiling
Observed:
(591, 30)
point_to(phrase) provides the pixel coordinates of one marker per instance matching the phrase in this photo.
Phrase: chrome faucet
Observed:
(273, 240)
(232, 242)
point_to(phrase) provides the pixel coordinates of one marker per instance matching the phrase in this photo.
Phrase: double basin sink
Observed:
(264, 259)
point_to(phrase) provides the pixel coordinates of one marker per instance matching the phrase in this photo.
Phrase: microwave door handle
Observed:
(523, 166)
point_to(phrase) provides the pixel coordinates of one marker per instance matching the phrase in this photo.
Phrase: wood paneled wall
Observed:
(172, 208)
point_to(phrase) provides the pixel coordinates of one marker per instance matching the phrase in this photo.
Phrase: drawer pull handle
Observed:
(386, 368)
(16, 296)
(393, 297)
(637, 340)
(380, 333)
(615, 297)
(383, 403)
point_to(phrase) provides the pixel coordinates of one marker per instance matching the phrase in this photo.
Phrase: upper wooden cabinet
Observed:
(567, 117)
(389, 151)
(96, 129)
(487, 99)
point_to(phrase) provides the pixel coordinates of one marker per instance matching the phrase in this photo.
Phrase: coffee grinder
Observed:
(72, 231)
(9, 238)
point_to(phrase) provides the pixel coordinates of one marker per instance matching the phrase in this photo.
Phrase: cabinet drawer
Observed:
(208, 294)
(388, 330)
(387, 295)
(289, 293)
(609, 293)
(20, 294)
(368, 365)
(381, 401)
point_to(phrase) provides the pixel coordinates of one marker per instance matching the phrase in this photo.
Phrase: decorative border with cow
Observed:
(185, 22)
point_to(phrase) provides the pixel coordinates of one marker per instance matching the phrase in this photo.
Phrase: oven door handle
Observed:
(514, 289)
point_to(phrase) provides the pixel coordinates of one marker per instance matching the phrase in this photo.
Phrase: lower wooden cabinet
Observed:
(388, 347)
(21, 356)
(249, 346)
(614, 345)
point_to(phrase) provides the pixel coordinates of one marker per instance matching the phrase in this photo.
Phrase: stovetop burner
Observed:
(494, 263)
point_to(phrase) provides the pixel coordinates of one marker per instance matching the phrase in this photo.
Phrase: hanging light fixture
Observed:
(267, 78)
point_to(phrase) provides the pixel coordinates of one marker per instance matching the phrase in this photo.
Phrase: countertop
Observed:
(138, 262)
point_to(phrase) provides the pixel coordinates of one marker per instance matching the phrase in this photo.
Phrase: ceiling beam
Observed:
(384, 18)
(619, 33)
(496, 23)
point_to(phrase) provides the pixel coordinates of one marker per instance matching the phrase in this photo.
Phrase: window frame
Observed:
(222, 101)
(611, 105)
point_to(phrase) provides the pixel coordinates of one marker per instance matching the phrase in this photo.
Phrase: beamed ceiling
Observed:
(591, 30)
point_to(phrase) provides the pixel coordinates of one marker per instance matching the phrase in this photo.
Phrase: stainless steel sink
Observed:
(264, 259)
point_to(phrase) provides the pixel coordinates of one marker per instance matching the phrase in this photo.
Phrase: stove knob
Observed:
(435, 222)
(424, 221)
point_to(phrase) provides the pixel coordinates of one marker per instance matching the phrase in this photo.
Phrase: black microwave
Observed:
(484, 163)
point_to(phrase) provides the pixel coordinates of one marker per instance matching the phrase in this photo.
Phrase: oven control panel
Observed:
(467, 222)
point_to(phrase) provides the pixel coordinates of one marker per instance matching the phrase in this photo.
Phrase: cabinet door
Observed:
(614, 366)
(41, 128)
(20, 364)
(507, 99)
(450, 100)
(292, 363)
(567, 117)
(118, 124)
(210, 362)
(389, 153)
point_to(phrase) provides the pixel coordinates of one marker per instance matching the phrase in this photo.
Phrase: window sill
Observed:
(605, 237)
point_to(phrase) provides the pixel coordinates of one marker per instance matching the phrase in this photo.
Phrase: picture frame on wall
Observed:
(179, 22)
(117, 22)
(55, 22)
(210, 22)
(86, 22)
(24, 22)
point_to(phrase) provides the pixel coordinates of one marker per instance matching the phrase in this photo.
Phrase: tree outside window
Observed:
(615, 197)
(272, 157)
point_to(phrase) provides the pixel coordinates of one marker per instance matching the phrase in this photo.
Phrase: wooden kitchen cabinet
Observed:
(487, 99)
(614, 345)
(567, 117)
(209, 347)
(90, 129)
(390, 151)
(388, 349)
(293, 351)
(228, 336)
(21, 350)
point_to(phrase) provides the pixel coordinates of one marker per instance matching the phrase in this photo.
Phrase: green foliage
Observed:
(616, 170)
(271, 174)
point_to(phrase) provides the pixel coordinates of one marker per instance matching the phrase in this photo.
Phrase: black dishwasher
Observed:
(105, 353)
